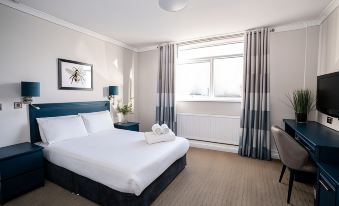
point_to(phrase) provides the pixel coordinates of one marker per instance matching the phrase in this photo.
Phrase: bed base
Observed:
(106, 196)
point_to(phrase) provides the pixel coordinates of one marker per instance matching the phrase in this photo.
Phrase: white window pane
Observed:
(193, 79)
(228, 77)
(210, 51)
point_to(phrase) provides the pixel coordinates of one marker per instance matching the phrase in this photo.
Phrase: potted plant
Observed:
(124, 109)
(302, 102)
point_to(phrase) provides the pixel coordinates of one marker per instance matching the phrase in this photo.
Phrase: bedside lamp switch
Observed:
(329, 120)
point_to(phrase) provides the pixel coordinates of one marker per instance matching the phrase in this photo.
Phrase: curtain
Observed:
(255, 133)
(165, 110)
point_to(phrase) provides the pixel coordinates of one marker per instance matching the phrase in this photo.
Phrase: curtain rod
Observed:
(211, 38)
(215, 38)
(206, 38)
(258, 29)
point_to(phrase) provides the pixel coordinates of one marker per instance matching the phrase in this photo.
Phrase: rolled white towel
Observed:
(165, 129)
(171, 133)
(156, 128)
(151, 138)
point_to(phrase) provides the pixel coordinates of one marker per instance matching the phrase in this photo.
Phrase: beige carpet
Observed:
(210, 178)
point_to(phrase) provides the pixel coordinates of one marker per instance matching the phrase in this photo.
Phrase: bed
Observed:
(112, 167)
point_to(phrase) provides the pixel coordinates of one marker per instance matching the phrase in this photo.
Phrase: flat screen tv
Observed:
(328, 94)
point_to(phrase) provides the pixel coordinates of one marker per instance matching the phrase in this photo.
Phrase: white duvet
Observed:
(119, 159)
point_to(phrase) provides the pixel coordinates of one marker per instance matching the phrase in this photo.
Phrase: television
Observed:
(328, 94)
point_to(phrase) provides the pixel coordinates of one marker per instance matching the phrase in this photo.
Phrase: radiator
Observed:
(210, 128)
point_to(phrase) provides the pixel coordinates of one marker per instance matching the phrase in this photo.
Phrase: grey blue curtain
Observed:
(255, 118)
(165, 110)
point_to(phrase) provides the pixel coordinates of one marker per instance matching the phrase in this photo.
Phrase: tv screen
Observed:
(328, 94)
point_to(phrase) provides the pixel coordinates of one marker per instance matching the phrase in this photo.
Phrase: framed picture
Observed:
(75, 75)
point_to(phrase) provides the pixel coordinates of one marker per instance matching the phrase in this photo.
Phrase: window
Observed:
(228, 77)
(210, 70)
(193, 79)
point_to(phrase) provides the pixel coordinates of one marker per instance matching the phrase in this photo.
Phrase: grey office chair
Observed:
(292, 155)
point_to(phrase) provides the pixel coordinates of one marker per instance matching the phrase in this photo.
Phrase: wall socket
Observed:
(329, 120)
(17, 105)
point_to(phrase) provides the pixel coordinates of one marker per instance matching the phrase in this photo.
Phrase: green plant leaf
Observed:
(125, 108)
(302, 101)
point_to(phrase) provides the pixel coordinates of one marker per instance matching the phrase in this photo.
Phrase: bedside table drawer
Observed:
(21, 184)
(132, 126)
(20, 164)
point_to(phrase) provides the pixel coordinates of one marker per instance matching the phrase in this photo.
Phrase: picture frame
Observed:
(73, 75)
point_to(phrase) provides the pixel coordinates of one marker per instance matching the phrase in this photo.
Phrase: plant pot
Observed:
(301, 117)
(124, 118)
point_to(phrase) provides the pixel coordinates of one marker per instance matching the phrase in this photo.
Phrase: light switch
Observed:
(17, 105)
(329, 120)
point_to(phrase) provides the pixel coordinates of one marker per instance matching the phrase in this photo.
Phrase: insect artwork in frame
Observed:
(75, 75)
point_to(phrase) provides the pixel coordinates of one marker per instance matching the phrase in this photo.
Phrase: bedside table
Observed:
(21, 170)
(132, 126)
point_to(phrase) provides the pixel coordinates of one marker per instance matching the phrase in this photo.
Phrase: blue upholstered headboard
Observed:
(61, 109)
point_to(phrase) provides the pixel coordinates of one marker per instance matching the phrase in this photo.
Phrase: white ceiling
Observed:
(141, 23)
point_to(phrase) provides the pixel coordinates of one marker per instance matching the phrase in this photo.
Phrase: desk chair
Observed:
(293, 156)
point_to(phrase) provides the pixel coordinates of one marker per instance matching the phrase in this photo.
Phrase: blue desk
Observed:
(322, 144)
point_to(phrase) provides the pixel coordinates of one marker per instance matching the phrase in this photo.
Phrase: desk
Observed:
(322, 144)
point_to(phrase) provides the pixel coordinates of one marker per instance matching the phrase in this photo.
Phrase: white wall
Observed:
(288, 71)
(329, 55)
(29, 50)
(287, 62)
(329, 44)
(148, 65)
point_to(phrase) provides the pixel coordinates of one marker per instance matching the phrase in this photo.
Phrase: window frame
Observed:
(211, 97)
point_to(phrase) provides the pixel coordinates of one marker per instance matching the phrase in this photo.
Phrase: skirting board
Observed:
(223, 147)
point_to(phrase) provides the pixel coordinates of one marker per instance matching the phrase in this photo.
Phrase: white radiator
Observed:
(211, 128)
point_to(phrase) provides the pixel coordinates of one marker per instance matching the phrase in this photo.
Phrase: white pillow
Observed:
(41, 120)
(97, 121)
(58, 129)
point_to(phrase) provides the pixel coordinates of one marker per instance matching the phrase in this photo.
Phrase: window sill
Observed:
(230, 100)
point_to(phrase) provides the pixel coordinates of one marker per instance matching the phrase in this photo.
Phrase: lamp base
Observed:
(27, 100)
(111, 98)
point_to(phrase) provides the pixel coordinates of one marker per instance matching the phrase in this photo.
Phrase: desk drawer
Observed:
(327, 191)
(308, 146)
(20, 164)
(328, 155)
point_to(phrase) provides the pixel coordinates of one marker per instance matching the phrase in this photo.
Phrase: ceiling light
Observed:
(173, 5)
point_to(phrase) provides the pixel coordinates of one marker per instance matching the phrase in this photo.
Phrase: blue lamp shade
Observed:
(113, 90)
(30, 89)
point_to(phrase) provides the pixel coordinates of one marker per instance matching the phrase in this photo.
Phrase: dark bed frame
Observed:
(84, 186)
